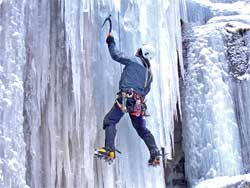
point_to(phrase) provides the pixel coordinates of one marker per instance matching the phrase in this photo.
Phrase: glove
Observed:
(110, 39)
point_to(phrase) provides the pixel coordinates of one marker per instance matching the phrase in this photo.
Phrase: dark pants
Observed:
(139, 123)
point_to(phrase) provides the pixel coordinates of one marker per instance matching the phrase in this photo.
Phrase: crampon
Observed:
(103, 154)
(156, 162)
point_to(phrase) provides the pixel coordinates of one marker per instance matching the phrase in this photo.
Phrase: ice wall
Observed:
(140, 22)
(12, 60)
(59, 110)
(215, 114)
(58, 81)
(241, 88)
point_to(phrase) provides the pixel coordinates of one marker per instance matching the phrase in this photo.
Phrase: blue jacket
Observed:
(136, 74)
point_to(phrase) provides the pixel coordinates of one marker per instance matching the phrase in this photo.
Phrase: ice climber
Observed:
(134, 85)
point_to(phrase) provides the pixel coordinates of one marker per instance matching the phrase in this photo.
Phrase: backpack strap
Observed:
(149, 74)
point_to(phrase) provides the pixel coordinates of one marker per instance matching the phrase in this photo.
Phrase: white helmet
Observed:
(148, 51)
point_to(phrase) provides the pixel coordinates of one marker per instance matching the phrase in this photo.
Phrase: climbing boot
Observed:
(105, 154)
(154, 158)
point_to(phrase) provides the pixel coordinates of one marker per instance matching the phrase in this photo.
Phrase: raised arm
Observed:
(115, 53)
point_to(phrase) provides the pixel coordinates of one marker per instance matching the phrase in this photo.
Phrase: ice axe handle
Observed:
(110, 23)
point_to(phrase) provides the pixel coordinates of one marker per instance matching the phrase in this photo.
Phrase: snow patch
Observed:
(234, 27)
(15, 34)
(223, 181)
(239, 7)
(244, 77)
(239, 18)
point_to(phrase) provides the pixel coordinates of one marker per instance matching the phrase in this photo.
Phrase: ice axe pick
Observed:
(110, 23)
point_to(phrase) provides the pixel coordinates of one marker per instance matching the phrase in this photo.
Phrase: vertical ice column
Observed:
(12, 59)
(241, 90)
(211, 135)
(37, 94)
(239, 61)
(81, 44)
(141, 22)
(59, 106)
(70, 82)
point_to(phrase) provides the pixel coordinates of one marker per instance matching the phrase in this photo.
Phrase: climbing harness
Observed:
(131, 102)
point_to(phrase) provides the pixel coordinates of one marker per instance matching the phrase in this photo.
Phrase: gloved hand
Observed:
(110, 39)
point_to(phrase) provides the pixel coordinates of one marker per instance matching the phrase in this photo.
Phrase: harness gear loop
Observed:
(124, 103)
(136, 105)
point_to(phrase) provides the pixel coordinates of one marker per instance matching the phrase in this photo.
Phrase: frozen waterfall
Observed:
(57, 81)
(215, 110)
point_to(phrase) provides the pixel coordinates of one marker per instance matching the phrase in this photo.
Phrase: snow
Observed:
(200, 12)
(241, 7)
(242, 20)
(244, 77)
(224, 181)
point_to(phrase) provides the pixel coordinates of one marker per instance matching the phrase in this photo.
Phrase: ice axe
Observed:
(110, 23)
